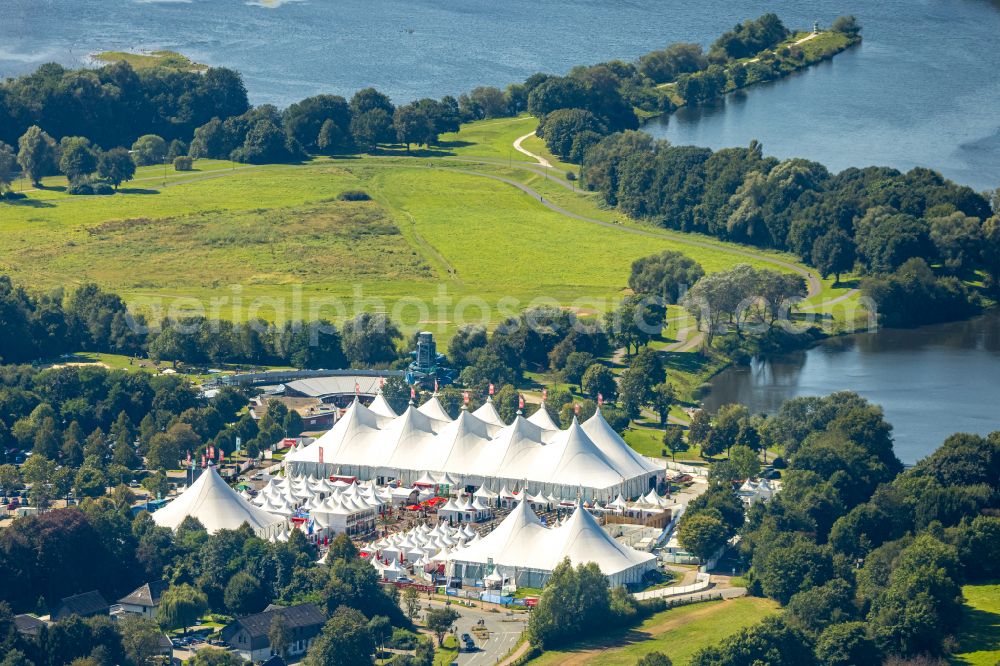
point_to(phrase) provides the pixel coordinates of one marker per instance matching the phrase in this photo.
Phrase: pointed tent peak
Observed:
(597, 416)
(488, 413)
(466, 422)
(614, 447)
(381, 406)
(542, 419)
(434, 409)
(411, 419)
(524, 514)
(519, 427)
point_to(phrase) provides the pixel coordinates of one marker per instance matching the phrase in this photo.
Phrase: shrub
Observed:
(183, 163)
(85, 186)
(570, 176)
(354, 195)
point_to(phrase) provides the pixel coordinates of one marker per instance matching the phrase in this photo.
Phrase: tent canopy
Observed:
(217, 507)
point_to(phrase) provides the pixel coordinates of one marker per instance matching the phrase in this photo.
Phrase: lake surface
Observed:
(931, 381)
(923, 89)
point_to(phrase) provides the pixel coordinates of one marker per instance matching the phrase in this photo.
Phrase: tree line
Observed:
(88, 428)
(45, 326)
(873, 220)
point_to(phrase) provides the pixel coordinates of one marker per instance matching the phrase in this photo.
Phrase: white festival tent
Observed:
(217, 507)
(542, 419)
(525, 551)
(381, 407)
(434, 409)
(589, 459)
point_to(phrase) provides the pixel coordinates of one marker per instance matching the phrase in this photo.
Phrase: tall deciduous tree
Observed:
(37, 154)
(116, 166)
(8, 166)
(181, 606)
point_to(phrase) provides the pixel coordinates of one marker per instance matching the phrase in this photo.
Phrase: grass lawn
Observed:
(264, 236)
(445, 654)
(678, 633)
(492, 139)
(979, 635)
(649, 442)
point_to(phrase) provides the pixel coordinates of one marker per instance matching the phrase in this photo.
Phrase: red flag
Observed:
(413, 393)
(203, 461)
(600, 399)
(435, 385)
(321, 455)
(357, 388)
(520, 401)
(222, 456)
(465, 397)
(491, 389)
(576, 408)
(187, 461)
(381, 382)
(545, 394)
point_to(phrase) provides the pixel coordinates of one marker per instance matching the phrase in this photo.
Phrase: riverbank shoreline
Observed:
(840, 43)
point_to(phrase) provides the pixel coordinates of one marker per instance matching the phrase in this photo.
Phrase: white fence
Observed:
(701, 583)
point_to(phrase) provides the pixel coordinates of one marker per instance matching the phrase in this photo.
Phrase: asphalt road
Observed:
(505, 632)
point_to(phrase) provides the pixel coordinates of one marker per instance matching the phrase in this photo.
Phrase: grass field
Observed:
(678, 633)
(979, 635)
(279, 233)
(275, 239)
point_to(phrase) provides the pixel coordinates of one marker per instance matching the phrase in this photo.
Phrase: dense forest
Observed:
(890, 226)
(867, 559)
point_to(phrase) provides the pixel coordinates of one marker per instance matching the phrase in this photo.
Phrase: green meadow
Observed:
(439, 226)
(978, 637)
(678, 633)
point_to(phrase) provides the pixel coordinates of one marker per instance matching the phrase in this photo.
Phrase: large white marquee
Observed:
(589, 460)
(524, 551)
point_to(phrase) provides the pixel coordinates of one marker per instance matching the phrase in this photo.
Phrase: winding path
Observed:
(524, 151)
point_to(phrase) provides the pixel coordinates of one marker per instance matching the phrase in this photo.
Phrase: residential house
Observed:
(85, 604)
(144, 600)
(249, 636)
(28, 625)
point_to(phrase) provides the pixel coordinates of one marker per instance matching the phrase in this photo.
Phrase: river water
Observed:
(931, 381)
(923, 89)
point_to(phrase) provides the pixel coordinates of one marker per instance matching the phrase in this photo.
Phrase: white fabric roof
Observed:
(472, 449)
(434, 409)
(381, 407)
(542, 419)
(522, 541)
(217, 507)
(488, 413)
(625, 458)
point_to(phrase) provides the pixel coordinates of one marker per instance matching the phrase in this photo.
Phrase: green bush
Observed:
(85, 186)
(183, 163)
(354, 195)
